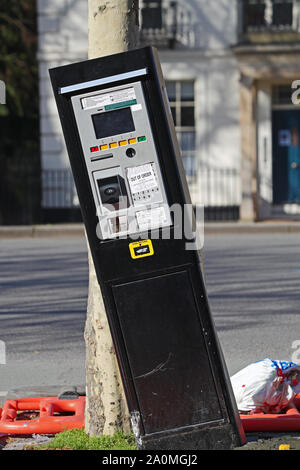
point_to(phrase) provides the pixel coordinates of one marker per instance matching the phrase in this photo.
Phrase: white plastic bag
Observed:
(268, 385)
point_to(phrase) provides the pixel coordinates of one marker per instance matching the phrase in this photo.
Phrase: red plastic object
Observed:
(289, 421)
(49, 420)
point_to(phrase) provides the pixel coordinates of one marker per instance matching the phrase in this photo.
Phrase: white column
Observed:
(264, 150)
(269, 12)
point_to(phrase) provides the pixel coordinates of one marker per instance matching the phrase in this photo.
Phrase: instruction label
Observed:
(151, 218)
(111, 100)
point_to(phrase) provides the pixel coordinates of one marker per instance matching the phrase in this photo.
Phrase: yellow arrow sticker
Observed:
(141, 249)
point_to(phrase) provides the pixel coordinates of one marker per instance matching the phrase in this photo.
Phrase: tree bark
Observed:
(113, 28)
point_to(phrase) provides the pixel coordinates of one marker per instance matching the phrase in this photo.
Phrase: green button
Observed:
(142, 139)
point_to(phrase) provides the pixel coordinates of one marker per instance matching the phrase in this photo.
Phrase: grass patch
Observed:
(77, 439)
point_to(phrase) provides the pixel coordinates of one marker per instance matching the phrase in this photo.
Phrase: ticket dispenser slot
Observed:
(129, 178)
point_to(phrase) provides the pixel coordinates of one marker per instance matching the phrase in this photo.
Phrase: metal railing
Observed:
(212, 186)
(269, 16)
(58, 189)
(215, 188)
(165, 23)
(20, 194)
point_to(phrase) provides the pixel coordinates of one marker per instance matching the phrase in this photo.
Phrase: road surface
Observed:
(253, 284)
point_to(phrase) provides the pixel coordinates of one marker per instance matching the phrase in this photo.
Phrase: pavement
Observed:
(252, 281)
(211, 228)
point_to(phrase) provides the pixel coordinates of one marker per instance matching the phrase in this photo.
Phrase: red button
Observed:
(94, 149)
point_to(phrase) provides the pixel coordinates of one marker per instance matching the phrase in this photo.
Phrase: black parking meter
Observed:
(129, 175)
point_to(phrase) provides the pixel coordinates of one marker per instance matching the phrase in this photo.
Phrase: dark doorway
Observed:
(286, 156)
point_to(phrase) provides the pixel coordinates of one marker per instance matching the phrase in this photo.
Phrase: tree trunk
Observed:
(113, 28)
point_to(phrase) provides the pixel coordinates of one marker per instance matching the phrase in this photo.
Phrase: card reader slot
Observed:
(113, 192)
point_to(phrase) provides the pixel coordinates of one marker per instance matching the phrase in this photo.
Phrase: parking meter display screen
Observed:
(112, 123)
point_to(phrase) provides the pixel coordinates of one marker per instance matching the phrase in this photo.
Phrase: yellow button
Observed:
(122, 143)
(113, 145)
(132, 141)
(104, 147)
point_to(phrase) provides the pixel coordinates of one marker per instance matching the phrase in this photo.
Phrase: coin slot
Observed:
(130, 152)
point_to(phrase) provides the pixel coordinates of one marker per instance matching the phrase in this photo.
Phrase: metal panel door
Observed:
(167, 352)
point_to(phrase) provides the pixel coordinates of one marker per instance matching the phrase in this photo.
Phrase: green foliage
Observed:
(77, 439)
(19, 117)
(18, 64)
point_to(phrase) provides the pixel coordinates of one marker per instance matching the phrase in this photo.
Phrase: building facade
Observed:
(229, 66)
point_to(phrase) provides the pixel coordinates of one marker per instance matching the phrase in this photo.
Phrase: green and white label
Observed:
(112, 100)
